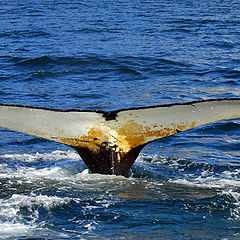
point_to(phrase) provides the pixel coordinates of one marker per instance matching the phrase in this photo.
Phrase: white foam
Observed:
(60, 171)
(211, 181)
(234, 195)
(13, 222)
(40, 200)
(30, 174)
(63, 170)
(52, 156)
(8, 229)
(90, 226)
(235, 200)
(10, 208)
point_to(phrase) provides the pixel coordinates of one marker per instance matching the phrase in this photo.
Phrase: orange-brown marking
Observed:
(133, 134)
(93, 140)
(126, 137)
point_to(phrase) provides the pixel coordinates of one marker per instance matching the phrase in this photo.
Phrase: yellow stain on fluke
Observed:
(123, 136)
(93, 140)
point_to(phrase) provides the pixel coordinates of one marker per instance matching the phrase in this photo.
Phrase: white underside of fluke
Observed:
(125, 129)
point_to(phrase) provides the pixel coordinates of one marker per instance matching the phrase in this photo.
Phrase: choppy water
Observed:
(109, 55)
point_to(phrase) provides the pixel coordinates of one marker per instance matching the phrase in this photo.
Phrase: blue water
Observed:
(109, 55)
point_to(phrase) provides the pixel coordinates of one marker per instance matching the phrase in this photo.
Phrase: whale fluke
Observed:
(110, 142)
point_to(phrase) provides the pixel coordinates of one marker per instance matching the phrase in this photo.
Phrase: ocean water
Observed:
(118, 54)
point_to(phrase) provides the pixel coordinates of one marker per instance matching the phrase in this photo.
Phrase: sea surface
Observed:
(118, 54)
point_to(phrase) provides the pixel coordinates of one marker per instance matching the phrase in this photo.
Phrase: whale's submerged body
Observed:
(109, 142)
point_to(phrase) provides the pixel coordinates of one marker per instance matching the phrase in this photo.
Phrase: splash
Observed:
(19, 214)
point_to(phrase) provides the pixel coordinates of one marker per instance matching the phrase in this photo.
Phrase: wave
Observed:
(24, 34)
(66, 165)
(43, 185)
(129, 64)
(19, 214)
(85, 69)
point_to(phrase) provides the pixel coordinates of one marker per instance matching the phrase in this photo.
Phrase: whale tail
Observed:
(110, 142)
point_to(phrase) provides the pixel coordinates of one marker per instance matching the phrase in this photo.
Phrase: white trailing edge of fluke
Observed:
(109, 142)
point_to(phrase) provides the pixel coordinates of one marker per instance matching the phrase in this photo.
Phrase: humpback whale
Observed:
(110, 141)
